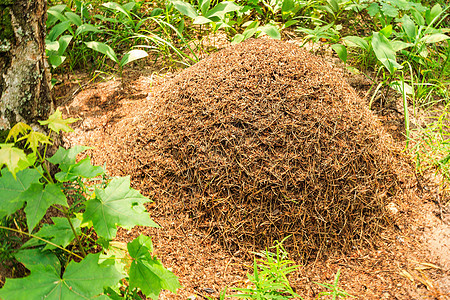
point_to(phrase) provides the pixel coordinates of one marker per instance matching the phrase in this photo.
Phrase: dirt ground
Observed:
(412, 261)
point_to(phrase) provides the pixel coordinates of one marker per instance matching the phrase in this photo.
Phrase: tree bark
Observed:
(24, 76)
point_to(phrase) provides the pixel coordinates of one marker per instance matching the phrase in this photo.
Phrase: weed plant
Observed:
(71, 253)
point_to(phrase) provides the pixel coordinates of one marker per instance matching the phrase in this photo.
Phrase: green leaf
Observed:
(11, 188)
(35, 257)
(117, 7)
(399, 45)
(19, 128)
(132, 55)
(204, 6)
(341, 51)
(146, 272)
(334, 5)
(199, 20)
(83, 168)
(435, 38)
(86, 28)
(373, 9)
(387, 31)
(388, 10)
(222, 8)
(56, 123)
(60, 233)
(409, 27)
(34, 138)
(435, 11)
(271, 30)
(384, 52)
(117, 205)
(63, 43)
(287, 6)
(14, 158)
(237, 39)
(55, 59)
(67, 157)
(185, 8)
(104, 49)
(74, 18)
(39, 199)
(356, 41)
(83, 280)
(58, 29)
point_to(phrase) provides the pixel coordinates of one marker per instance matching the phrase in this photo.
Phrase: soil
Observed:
(410, 261)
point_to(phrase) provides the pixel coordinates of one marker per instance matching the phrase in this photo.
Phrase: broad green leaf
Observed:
(237, 39)
(39, 199)
(399, 45)
(74, 18)
(287, 6)
(435, 11)
(51, 46)
(384, 52)
(356, 41)
(341, 51)
(129, 6)
(58, 29)
(67, 157)
(271, 30)
(290, 23)
(52, 18)
(409, 27)
(83, 280)
(373, 9)
(204, 6)
(388, 10)
(334, 5)
(56, 123)
(185, 8)
(34, 138)
(435, 38)
(86, 28)
(64, 42)
(417, 16)
(83, 168)
(19, 128)
(60, 233)
(10, 189)
(104, 49)
(117, 205)
(117, 7)
(14, 158)
(34, 257)
(199, 20)
(55, 59)
(386, 31)
(146, 272)
(222, 8)
(132, 55)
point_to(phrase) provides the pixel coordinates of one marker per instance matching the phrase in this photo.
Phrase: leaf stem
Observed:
(75, 233)
(39, 238)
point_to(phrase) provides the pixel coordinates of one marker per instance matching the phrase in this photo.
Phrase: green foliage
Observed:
(26, 183)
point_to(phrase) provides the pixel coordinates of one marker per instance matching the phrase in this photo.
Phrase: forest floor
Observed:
(411, 261)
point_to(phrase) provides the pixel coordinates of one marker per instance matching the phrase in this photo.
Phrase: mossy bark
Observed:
(24, 76)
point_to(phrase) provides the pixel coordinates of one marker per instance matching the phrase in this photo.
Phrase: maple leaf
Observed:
(56, 123)
(14, 158)
(19, 128)
(67, 157)
(83, 168)
(84, 280)
(34, 138)
(146, 272)
(117, 205)
(39, 199)
(60, 233)
(11, 189)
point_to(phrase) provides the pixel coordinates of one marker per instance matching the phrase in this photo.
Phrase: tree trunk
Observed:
(24, 76)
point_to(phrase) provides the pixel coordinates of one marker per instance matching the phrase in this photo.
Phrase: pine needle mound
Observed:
(263, 140)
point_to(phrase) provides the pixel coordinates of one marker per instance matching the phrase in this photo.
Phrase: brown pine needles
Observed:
(263, 140)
